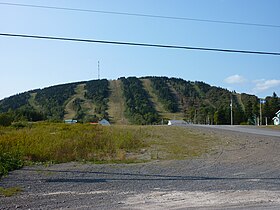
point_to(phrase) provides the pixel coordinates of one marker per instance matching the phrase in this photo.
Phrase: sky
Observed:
(27, 64)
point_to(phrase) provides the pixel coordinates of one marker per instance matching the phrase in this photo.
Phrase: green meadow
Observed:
(50, 143)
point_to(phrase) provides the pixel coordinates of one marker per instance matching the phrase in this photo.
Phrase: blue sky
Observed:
(27, 64)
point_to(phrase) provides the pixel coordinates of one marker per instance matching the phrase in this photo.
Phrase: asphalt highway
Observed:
(244, 129)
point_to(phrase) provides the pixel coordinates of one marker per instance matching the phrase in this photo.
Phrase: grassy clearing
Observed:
(56, 143)
(8, 192)
(70, 112)
(171, 142)
(32, 101)
(158, 105)
(116, 103)
(147, 85)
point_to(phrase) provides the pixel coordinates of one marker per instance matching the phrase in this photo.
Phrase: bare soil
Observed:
(242, 172)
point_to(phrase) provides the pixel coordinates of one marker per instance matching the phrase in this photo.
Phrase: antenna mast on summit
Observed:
(98, 66)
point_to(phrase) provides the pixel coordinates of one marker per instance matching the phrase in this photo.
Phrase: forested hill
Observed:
(146, 100)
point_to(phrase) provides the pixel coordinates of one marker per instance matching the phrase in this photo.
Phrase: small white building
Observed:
(176, 122)
(276, 119)
(70, 121)
(103, 122)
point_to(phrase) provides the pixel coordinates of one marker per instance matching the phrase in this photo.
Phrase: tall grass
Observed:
(54, 142)
(63, 143)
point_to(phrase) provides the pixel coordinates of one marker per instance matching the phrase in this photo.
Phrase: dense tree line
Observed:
(190, 100)
(203, 103)
(270, 107)
(16, 108)
(98, 92)
(52, 99)
(183, 87)
(220, 100)
(251, 108)
(139, 108)
(165, 95)
(199, 102)
(22, 114)
(14, 102)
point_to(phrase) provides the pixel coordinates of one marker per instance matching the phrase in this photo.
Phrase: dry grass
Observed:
(171, 142)
(50, 142)
(116, 103)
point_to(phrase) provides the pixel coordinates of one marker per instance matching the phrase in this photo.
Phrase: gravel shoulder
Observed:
(243, 172)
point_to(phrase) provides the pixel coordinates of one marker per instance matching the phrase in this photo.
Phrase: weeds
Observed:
(8, 192)
(57, 143)
(50, 142)
(9, 161)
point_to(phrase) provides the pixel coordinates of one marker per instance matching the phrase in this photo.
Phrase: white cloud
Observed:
(263, 85)
(235, 79)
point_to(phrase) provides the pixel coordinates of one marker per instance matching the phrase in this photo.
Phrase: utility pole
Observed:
(231, 114)
(260, 111)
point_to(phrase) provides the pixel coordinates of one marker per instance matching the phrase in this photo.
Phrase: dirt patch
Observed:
(207, 200)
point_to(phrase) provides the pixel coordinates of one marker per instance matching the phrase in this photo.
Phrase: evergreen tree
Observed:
(271, 106)
(249, 116)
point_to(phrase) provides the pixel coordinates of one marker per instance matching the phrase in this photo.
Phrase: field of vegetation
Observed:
(23, 144)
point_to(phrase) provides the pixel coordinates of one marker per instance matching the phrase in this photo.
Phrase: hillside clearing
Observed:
(116, 103)
(147, 85)
(70, 112)
(87, 106)
(158, 105)
(32, 101)
(239, 100)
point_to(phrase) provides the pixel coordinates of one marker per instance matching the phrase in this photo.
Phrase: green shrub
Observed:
(5, 119)
(9, 161)
(19, 125)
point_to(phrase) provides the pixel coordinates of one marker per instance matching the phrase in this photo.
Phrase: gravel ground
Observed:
(241, 173)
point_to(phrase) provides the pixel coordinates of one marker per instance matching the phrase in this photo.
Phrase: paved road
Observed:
(244, 129)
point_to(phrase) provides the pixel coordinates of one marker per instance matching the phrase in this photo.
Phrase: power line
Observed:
(141, 15)
(139, 44)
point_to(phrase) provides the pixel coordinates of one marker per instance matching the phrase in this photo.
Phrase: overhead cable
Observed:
(139, 44)
(141, 15)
